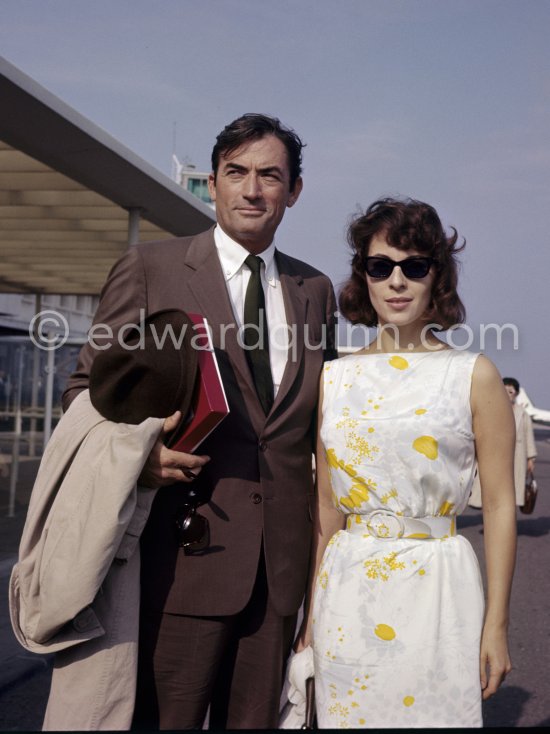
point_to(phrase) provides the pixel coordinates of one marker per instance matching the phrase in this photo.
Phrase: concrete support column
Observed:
(50, 373)
(17, 432)
(134, 215)
(35, 383)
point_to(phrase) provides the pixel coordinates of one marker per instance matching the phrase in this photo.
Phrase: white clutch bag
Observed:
(295, 711)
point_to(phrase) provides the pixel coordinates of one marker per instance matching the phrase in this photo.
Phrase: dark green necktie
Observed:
(256, 335)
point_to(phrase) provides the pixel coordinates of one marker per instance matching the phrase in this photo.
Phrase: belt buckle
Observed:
(388, 527)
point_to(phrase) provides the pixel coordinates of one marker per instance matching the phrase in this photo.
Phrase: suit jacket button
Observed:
(256, 498)
(263, 445)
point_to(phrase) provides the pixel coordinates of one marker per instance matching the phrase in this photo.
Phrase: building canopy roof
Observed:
(70, 194)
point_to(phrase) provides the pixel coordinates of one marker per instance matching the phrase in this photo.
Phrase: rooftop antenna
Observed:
(175, 175)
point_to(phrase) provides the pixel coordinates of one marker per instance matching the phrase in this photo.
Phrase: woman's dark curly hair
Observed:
(407, 225)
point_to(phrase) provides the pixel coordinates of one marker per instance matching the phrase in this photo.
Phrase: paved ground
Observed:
(523, 700)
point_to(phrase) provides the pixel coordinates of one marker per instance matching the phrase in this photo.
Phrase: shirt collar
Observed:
(232, 256)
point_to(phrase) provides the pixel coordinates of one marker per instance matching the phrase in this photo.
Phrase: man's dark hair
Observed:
(511, 381)
(407, 225)
(253, 126)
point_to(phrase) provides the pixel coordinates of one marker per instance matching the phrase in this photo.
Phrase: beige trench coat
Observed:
(75, 588)
(525, 449)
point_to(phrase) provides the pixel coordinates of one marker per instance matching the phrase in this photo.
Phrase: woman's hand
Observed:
(164, 466)
(303, 639)
(495, 663)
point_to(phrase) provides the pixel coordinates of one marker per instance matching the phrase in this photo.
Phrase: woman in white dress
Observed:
(525, 450)
(395, 609)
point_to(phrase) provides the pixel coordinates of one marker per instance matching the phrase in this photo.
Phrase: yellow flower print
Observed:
(346, 421)
(381, 568)
(323, 580)
(445, 509)
(400, 363)
(420, 411)
(335, 463)
(392, 494)
(360, 446)
(355, 498)
(350, 519)
(359, 493)
(426, 445)
(408, 700)
(341, 711)
(384, 632)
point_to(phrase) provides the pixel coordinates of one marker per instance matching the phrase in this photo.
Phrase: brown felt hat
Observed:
(149, 370)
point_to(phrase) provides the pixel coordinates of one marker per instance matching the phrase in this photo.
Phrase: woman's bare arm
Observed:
(326, 521)
(494, 430)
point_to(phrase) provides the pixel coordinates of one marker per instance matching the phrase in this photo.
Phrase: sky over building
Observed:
(447, 101)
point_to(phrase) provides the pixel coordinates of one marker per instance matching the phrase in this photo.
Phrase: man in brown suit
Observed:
(217, 624)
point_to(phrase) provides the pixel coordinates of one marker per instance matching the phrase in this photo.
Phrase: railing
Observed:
(32, 381)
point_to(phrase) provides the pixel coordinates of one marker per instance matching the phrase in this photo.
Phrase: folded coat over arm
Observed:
(75, 588)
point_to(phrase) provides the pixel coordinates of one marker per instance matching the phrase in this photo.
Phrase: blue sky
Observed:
(443, 100)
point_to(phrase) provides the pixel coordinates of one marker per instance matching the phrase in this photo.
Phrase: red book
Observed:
(209, 405)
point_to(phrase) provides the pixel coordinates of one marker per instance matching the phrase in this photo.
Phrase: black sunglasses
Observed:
(193, 530)
(411, 267)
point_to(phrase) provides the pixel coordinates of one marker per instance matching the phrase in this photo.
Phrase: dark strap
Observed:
(256, 338)
(310, 720)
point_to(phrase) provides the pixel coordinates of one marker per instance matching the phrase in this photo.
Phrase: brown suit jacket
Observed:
(259, 479)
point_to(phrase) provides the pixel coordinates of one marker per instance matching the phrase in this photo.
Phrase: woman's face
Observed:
(396, 299)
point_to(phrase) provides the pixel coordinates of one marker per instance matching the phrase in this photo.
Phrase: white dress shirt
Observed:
(237, 274)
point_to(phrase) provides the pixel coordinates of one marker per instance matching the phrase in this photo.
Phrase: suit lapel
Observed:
(209, 290)
(296, 312)
(207, 283)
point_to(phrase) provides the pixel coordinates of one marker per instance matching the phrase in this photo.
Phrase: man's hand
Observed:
(165, 466)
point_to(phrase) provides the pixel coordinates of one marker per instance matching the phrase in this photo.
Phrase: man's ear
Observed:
(212, 186)
(295, 193)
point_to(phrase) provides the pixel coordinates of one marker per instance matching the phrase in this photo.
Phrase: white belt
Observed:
(385, 524)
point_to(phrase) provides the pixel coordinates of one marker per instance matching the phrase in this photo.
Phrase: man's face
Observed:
(252, 191)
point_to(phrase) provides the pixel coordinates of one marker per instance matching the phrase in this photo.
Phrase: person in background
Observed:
(395, 608)
(217, 622)
(525, 451)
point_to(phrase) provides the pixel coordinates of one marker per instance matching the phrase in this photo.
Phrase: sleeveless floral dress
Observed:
(399, 603)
